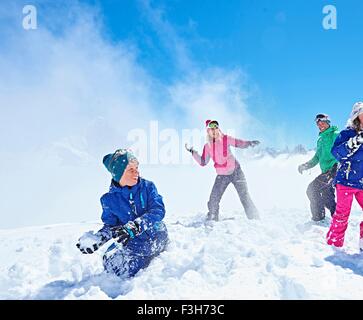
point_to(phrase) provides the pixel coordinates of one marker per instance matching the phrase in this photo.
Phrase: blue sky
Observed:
(93, 71)
(299, 68)
(294, 68)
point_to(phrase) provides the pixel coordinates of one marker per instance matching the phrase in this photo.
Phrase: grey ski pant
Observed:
(321, 193)
(237, 178)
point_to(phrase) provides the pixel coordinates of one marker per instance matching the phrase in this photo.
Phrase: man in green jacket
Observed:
(321, 192)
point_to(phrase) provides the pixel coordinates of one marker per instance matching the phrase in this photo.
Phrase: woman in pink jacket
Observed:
(227, 167)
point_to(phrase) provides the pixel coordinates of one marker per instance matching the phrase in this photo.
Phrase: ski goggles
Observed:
(213, 125)
(322, 117)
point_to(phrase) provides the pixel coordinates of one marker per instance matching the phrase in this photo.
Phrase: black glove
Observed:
(302, 167)
(124, 233)
(253, 143)
(90, 242)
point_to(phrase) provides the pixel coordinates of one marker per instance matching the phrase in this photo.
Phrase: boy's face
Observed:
(131, 174)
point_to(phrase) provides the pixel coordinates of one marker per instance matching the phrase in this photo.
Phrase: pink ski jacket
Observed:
(219, 151)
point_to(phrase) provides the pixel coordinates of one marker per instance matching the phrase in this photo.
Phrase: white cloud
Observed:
(215, 94)
(69, 96)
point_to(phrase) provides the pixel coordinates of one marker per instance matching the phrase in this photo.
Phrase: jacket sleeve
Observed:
(238, 143)
(204, 158)
(108, 218)
(155, 209)
(313, 162)
(340, 149)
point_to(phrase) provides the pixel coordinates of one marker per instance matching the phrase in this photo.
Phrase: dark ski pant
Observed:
(321, 194)
(126, 262)
(237, 178)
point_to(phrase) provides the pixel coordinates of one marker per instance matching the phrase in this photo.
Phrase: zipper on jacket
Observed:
(132, 204)
(224, 152)
(142, 201)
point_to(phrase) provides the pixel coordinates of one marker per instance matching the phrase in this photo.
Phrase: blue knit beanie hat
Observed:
(117, 162)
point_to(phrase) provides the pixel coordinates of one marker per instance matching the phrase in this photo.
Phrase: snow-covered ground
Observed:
(282, 256)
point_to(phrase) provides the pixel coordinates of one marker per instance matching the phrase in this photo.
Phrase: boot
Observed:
(212, 216)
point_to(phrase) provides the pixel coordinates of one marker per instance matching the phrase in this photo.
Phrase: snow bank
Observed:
(282, 256)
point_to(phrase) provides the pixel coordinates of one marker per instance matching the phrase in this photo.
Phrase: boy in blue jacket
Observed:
(132, 215)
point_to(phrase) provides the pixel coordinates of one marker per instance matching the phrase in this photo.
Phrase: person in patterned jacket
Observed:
(348, 151)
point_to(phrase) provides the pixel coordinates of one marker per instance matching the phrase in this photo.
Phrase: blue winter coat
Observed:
(123, 204)
(350, 169)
